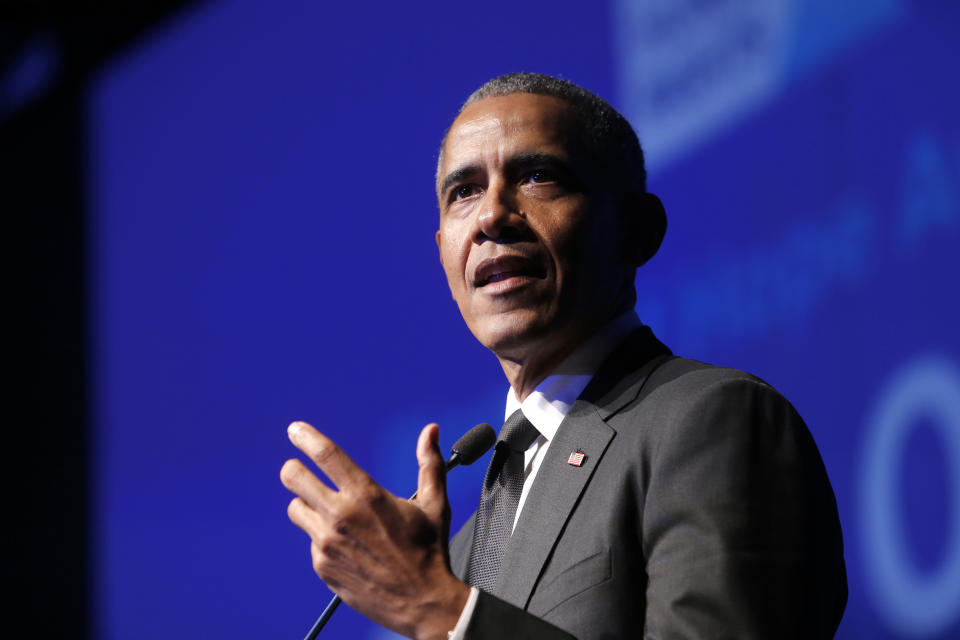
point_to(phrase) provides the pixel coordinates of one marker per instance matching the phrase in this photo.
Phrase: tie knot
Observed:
(518, 433)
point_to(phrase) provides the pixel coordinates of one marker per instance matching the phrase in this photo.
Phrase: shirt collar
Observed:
(549, 403)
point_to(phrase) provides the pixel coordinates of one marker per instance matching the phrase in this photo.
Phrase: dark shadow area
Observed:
(46, 59)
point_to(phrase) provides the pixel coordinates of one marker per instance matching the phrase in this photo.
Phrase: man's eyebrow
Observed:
(457, 175)
(525, 160)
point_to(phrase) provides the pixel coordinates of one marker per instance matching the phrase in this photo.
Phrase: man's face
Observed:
(528, 239)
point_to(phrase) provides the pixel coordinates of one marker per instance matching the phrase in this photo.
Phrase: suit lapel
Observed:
(622, 376)
(558, 485)
(555, 492)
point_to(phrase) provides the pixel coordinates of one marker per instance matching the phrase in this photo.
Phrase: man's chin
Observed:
(514, 335)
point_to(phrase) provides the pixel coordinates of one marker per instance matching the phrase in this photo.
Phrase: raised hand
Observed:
(385, 556)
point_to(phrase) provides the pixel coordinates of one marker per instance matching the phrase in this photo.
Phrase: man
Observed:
(659, 497)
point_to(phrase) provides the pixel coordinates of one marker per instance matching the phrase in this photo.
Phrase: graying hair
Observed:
(606, 135)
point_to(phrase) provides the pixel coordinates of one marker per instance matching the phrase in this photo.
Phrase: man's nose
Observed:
(499, 218)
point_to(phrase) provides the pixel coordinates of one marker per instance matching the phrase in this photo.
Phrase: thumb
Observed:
(431, 480)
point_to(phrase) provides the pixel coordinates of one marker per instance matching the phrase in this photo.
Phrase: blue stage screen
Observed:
(262, 242)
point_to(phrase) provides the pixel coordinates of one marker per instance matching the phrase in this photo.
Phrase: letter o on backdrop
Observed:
(912, 603)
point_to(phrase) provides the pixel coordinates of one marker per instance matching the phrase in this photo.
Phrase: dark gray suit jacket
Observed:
(702, 510)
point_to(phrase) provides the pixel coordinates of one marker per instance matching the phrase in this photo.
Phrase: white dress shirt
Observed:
(547, 406)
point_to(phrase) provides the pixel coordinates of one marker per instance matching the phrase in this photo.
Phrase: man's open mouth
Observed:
(506, 267)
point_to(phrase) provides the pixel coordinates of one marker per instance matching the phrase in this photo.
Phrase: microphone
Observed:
(471, 446)
(467, 450)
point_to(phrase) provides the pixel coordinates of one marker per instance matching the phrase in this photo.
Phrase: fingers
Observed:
(298, 479)
(302, 515)
(385, 556)
(330, 458)
(431, 480)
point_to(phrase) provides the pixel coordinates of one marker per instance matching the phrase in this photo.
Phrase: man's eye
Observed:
(537, 177)
(464, 191)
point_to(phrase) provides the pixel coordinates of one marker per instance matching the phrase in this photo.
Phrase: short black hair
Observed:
(607, 135)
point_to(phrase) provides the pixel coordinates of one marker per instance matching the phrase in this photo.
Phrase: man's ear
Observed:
(439, 248)
(644, 224)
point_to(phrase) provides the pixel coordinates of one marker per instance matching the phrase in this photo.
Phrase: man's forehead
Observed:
(513, 113)
(516, 123)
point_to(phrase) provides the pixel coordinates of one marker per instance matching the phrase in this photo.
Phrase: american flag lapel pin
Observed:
(576, 458)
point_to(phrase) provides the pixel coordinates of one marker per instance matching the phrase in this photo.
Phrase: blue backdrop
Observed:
(262, 240)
